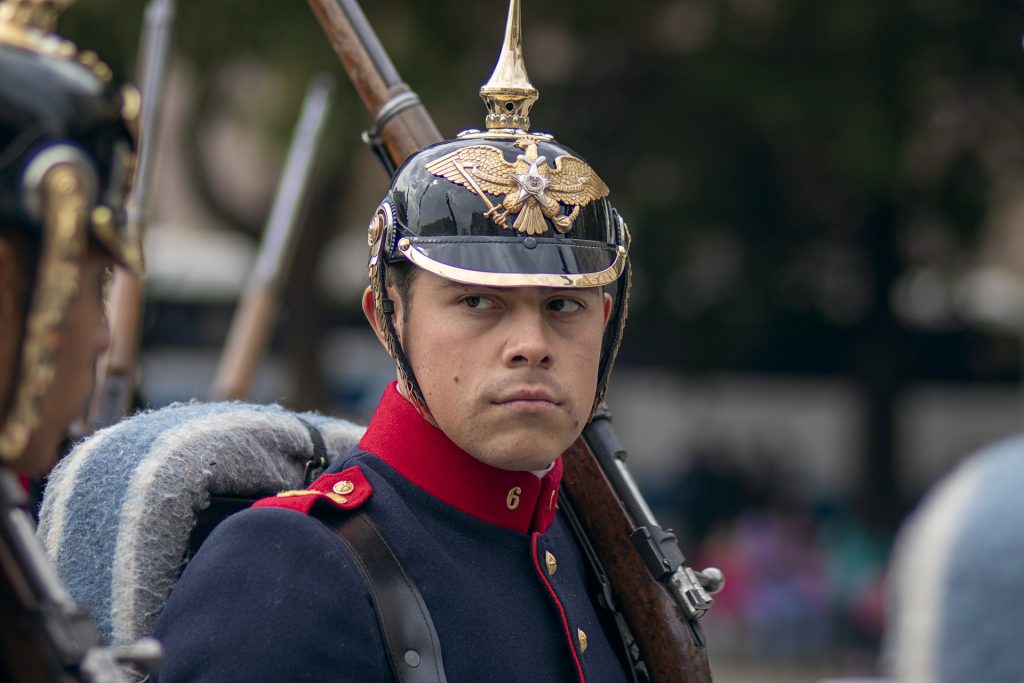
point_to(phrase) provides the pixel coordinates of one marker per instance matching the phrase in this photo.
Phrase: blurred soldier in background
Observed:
(67, 154)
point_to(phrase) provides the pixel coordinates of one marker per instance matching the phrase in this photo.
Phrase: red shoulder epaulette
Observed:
(345, 490)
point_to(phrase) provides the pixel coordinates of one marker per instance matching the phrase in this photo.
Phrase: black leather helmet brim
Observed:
(516, 261)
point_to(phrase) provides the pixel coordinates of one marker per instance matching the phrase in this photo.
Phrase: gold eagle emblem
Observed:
(533, 190)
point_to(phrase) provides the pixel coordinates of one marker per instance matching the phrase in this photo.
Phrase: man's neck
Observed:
(425, 414)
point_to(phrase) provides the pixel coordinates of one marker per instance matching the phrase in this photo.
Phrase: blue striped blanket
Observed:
(119, 509)
(956, 602)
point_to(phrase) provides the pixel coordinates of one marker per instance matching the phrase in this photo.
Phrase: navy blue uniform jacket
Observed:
(273, 594)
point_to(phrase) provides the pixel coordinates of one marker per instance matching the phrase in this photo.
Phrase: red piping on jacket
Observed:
(558, 604)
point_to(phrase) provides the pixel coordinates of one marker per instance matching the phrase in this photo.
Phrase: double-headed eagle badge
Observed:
(533, 189)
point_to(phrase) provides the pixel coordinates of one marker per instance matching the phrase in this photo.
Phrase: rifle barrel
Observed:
(276, 251)
(254, 319)
(116, 372)
(152, 72)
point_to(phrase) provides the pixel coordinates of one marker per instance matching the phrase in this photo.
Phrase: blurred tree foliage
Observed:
(783, 164)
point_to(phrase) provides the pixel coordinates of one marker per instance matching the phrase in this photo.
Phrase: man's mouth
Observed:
(529, 400)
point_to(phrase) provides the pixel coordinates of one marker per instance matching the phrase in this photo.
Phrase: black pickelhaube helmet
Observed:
(503, 208)
(68, 139)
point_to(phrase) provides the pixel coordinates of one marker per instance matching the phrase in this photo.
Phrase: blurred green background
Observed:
(826, 199)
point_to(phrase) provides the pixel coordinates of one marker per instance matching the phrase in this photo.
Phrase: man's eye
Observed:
(477, 303)
(565, 305)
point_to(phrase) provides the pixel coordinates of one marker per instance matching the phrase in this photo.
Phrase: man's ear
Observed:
(607, 307)
(370, 311)
(371, 315)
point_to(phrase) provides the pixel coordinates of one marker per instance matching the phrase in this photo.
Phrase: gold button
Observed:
(551, 562)
(344, 487)
(582, 637)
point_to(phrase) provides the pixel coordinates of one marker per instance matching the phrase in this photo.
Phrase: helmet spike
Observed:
(509, 93)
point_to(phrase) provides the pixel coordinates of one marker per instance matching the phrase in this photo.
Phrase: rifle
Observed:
(661, 598)
(115, 381)
(45, 636)
(401, 123)
(254, 317)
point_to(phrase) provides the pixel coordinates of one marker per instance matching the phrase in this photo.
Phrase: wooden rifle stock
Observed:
(254, 319)
(669, 645)
(45, 637)
(401, 123)
(665, 644)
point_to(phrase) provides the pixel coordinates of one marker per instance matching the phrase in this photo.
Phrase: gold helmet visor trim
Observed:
(476, 277)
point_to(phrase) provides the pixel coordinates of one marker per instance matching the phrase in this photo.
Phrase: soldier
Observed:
(67, 155)
(498, 283)
(67, 151)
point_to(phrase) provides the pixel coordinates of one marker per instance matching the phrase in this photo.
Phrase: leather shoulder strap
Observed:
(405, 623)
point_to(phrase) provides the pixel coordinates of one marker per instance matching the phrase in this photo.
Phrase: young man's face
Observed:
(85, 336)
(509, 374)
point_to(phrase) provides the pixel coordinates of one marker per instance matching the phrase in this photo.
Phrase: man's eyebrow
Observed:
(567, 291)
(452, 284)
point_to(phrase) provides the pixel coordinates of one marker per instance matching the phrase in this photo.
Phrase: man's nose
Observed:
(529, 341)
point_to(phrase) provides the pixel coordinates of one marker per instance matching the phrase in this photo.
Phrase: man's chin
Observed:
(520, 454)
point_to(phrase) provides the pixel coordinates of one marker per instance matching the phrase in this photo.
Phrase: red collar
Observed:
(424, 455)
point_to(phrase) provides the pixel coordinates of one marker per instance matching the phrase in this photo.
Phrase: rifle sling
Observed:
(604, 599)
(406, 627)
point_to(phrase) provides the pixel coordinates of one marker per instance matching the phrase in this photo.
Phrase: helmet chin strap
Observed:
(617, 326)
(385, 310)
(420, 409)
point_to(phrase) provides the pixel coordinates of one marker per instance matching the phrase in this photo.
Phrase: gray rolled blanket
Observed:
(956, 604)
(119, 509)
